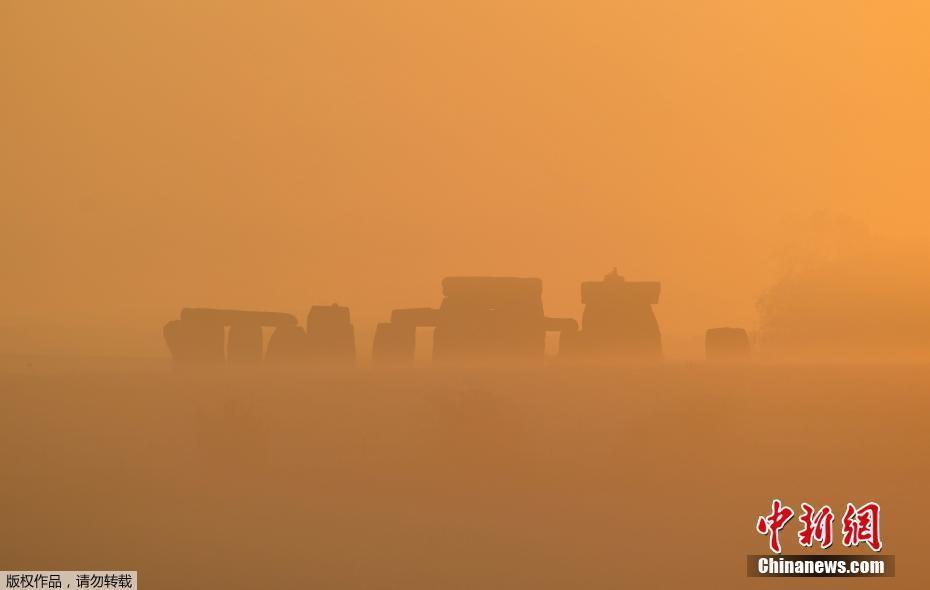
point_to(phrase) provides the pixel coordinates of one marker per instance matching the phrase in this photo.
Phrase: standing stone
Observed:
(726, 344)
(618, 321)
(490, 318)
(288, 344)
(395, 344)
(194, 341)
(330, 335)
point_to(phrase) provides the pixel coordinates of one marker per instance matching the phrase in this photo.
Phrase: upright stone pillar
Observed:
(726, 344)
(288, 344)
(395, 344)
(195, 341)
(330, 335)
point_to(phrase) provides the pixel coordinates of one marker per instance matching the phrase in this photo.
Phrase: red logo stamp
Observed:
(860, 525)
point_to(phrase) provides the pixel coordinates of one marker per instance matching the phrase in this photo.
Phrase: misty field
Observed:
(545, 477)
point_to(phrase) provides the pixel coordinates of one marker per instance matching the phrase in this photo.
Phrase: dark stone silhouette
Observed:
(618, 321)
(199, 336)
(416, 317)
(231, 317)
(490, 316)
(395, 341)
(196, 341)
(330, 335)
(726, 344)
(288, 344)
(479, 318)
(394, 344)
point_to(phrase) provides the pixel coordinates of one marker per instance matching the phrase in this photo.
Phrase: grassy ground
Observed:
(546, 477)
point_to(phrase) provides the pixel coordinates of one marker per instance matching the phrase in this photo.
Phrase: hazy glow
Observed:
(274, 155)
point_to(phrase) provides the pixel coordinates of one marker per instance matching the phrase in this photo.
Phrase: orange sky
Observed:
(276, 155)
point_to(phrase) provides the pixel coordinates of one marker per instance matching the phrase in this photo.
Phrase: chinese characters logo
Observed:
(860, 525)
